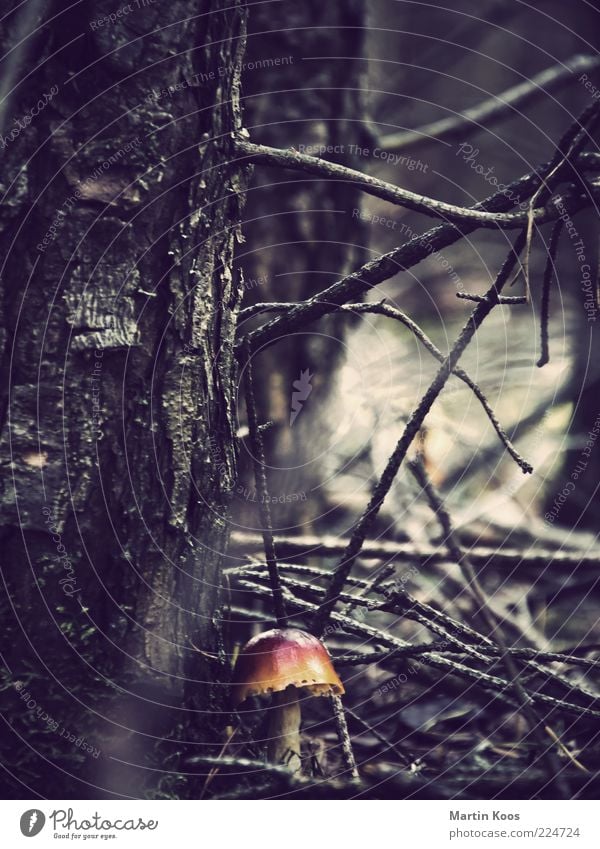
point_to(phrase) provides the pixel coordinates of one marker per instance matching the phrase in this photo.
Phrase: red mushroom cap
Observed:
(276, 659)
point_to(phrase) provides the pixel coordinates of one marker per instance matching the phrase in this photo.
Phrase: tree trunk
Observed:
(120, 214)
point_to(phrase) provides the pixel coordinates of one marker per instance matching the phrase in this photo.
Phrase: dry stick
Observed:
(486, 646)
(367, 520)
(394, 747)
(493, 108)
(344, 736)
(258, 461)
(458, 555)
(472, 644)
(393, 654)
(410, 608)
(404, 257)
(570, 686)
(420, 648)
(245, 613)
(381, 574)
(569, 146)
(506, 300)
(564, 749)
(258, 457)
(408, 553)
(262, 155)
(567, 150)
(407, 605)
(255, 309)
(393, 312)
(452, 631)
(545, 302)
(215, 770)
(488, 455)
(432, 658)
(419, 612)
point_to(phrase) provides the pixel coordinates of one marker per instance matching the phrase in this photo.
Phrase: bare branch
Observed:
(503, 300)
(263, 155)
(356, 284)
(366, 521)
(489, 454)
(394, 747)
(545, 303)
(393, 312)
(343, 736)
(523, 696)
(456, 636)
(432, 658)
(260, 476)
(420, 648)
(485, 114)
(256, 309)
(507, 559)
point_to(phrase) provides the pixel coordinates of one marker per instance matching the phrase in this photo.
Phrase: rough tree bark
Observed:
(120, 213)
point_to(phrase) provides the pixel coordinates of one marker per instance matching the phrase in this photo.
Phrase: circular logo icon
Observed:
(32, 822)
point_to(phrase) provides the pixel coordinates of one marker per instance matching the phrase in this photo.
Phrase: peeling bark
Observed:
(120, 215)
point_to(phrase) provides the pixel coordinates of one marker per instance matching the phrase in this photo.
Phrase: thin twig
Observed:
(386, 571)
(503, 300)
(256, 309)
(420, 648)
(215, 770)
(264, 155)
(366, 521)
(568, 148)
(260, 476)
(394, 747)
(404, 257)
(398, 315)
(524, 698)
(456, 636)
(472, 644)
(344, 736)
(545, 302)
(16, 65)
(433, 658)
(394, 312)
(401, 604)
(488, 455)
(313, 546)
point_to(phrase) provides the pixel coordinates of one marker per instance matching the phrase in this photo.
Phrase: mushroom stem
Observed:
(284, 729)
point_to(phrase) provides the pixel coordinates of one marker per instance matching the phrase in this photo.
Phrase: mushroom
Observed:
(285, 662)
